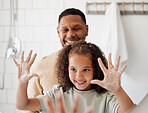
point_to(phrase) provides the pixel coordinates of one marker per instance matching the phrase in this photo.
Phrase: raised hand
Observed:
(60, 104)
(24, 67)
(112, 76)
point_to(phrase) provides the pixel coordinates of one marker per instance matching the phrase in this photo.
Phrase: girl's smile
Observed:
(80, 71)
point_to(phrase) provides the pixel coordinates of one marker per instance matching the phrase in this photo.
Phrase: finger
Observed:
(22, 57)
(50, 107)
(109, 61)
(32, 60)
(117, 64)
(15, 62)
(29, 56)
(60, 102)
(32, 75)
(98, 82)
(75, 107)
(89, 110)
(103, 68)
(122, 70)
(19, 72)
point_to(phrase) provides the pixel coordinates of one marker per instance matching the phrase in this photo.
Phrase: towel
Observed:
(114, 40)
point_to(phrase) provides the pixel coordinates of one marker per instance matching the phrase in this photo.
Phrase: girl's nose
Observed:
(79, 75)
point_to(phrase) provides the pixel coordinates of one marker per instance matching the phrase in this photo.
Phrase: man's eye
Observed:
(64, 30)
(86, 69)
(77, 28)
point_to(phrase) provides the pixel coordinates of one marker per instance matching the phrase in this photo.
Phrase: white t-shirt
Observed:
(101, 103)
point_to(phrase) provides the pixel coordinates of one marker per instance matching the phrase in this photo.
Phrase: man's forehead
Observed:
(70, 25)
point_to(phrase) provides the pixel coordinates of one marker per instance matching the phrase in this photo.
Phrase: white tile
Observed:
(4, 17)
(1, 34)
(23, 46)
(20, 17)
(8, 81)
(6, 4)
(58, 12)
(48, 17)
(25, 33)
(79, 4)
(32, 17)
(1, 65)
(10, 66)
(1, 81)
(40, 34)
(3, 96)
(1, 1)
(55, 3)
(14, 81)
(8, 108)
(11, 96)
(53, 35)
(24, 4)
(18, 111)
(3, 47)
(40, 4)
(6, 33)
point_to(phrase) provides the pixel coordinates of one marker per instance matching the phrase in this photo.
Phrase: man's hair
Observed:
(72, 11)
(90, 50)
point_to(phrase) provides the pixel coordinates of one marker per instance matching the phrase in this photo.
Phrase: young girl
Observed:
(81, 69)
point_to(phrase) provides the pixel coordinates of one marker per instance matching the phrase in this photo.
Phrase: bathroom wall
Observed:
(37, 22)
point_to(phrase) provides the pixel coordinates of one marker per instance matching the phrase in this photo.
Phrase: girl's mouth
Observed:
(80, 83)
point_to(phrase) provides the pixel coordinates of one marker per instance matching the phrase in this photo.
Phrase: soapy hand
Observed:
(24, 74)
(112, 76)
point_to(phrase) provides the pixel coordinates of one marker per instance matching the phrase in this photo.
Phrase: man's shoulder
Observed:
(45, 61)
(49, 57)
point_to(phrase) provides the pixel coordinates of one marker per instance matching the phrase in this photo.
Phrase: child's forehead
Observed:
(86, 55)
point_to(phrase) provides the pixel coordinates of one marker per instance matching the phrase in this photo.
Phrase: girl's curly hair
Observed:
(79, 48)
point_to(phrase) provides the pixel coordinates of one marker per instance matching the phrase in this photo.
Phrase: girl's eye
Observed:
(73, 69)
(86, 69)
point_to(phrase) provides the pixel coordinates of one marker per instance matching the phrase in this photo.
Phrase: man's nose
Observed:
(70, 34)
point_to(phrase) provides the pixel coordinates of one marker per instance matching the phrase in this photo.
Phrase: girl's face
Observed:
(80, 71)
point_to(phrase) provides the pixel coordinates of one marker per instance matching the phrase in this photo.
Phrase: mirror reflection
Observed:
(38, 26)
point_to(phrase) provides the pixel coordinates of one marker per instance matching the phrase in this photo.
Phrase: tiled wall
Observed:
(37, 22)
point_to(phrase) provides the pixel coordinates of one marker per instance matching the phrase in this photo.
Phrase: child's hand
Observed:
(112, 76)
(24, 67)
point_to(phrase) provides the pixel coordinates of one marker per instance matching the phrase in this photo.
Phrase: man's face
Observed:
(71, 29)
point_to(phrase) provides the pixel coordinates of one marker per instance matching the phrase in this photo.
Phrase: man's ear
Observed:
(86, 30)
(58, 30)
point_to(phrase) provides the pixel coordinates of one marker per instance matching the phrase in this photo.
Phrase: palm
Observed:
(24, 67)
(112, 76)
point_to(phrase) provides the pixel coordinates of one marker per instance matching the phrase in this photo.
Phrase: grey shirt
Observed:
(101, 103)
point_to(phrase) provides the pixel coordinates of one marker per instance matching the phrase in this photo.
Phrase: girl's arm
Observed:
(22, 100)
(112, 83)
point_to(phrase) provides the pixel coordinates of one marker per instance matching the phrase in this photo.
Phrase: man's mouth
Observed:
(70, 42)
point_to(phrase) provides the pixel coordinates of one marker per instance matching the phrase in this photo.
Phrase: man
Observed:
(71, 28)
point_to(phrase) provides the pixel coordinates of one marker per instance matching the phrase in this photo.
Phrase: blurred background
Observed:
(33, 24)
